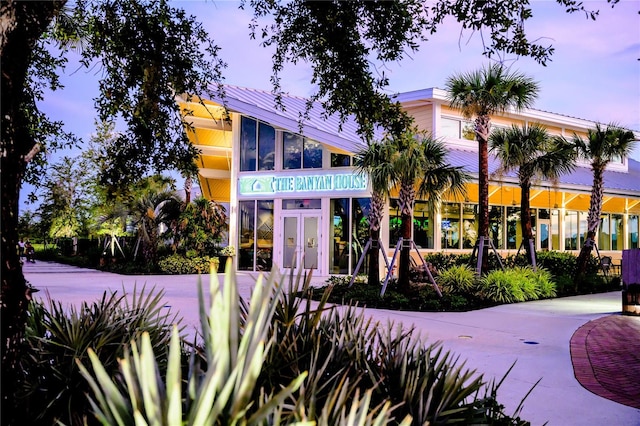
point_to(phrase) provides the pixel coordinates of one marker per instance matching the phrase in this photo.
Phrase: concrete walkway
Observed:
(582, 350)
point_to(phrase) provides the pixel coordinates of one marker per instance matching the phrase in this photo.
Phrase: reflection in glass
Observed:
(604, 233)
(292, 151)
(339, 250)
(616, 232)
(247, 144)
(495, 225)
(571, 230)
(312, 158)
(514, 229)
(360, 209)
(450, 225)
(340, 160)
(246, 245)
(469, 225)
(395, 223)
(422, 225)
(632, 224)
(264, 253)
(266, 147)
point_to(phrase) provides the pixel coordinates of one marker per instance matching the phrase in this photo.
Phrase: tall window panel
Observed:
(247, 243)
(571, 237)
(422, 225)
(496, 220)
(632, 225)
(617, 232)
(266, 147)
(450, 226)
(469, 225)
(360, 209)
(339, 248)
(257, 145)
(604, 233)
(514, 229)
(248, 155)
(395, 223)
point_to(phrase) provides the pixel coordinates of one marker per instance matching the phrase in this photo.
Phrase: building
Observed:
(294, 198)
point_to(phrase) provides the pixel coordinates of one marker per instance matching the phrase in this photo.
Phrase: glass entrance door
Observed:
(300, 244)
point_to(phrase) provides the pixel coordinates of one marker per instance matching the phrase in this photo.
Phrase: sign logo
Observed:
(269, 185)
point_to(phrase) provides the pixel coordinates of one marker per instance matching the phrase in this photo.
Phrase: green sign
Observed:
(257, 185)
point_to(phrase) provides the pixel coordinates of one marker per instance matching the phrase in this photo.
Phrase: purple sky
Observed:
(594, 73)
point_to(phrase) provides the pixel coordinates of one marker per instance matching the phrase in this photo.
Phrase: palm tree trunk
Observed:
(22, 26)
(525, 220)
(405, 201)
(375, 217)
(482, 126)
(593, 220)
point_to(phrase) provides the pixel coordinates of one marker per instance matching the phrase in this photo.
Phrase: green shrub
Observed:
(458, 279)
(58, 337)
(502, 287)
(543, 280)
(178, 265)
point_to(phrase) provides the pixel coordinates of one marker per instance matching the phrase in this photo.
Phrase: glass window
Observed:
(264, 233)
(339, 249)
(571, 238)
(292, 151)
(450, 128)
(616, 232)
(256, 235)
(604, 235)
(360, 209)
(632, 224)
(312, 157)
(247, 144)
(422, 225)
(582, 222)
(555, 230)
(246, 245)
(340, 160)
(496, 219)
(266, 147)
(450, 225)
(310, 203)
(395, 223)
(514, 228)
(469, 225)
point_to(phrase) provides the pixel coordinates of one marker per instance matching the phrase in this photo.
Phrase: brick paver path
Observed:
(606, 358)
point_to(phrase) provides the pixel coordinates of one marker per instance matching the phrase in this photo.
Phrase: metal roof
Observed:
(316, 125)
(624, 183)
(329, 130)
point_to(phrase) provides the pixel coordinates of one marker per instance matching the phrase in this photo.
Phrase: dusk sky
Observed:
(594, 73)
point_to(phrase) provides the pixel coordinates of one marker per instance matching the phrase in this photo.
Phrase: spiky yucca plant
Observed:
(283, 359)
(52, 388)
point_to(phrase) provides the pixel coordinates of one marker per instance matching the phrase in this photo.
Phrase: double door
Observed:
(301, 241)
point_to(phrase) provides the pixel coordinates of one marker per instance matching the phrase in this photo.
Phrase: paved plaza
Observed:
(584, 352)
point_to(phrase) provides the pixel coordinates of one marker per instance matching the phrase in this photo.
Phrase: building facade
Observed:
(294, 199)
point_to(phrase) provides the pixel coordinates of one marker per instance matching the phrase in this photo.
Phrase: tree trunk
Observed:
(405, 204)
(593, 220)
(21, 26)
(482, 126)
(525, 220)
(375, 216)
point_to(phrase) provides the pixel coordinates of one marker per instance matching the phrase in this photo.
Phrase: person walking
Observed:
(29, 252)
(21, 247)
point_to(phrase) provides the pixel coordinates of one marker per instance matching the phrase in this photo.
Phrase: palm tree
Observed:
(153, 203)
(374, 161)
(480, 94)
(602, 146)
(417, 166)
(533, 154)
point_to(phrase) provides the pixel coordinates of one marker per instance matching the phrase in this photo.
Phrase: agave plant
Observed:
(58, 338)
